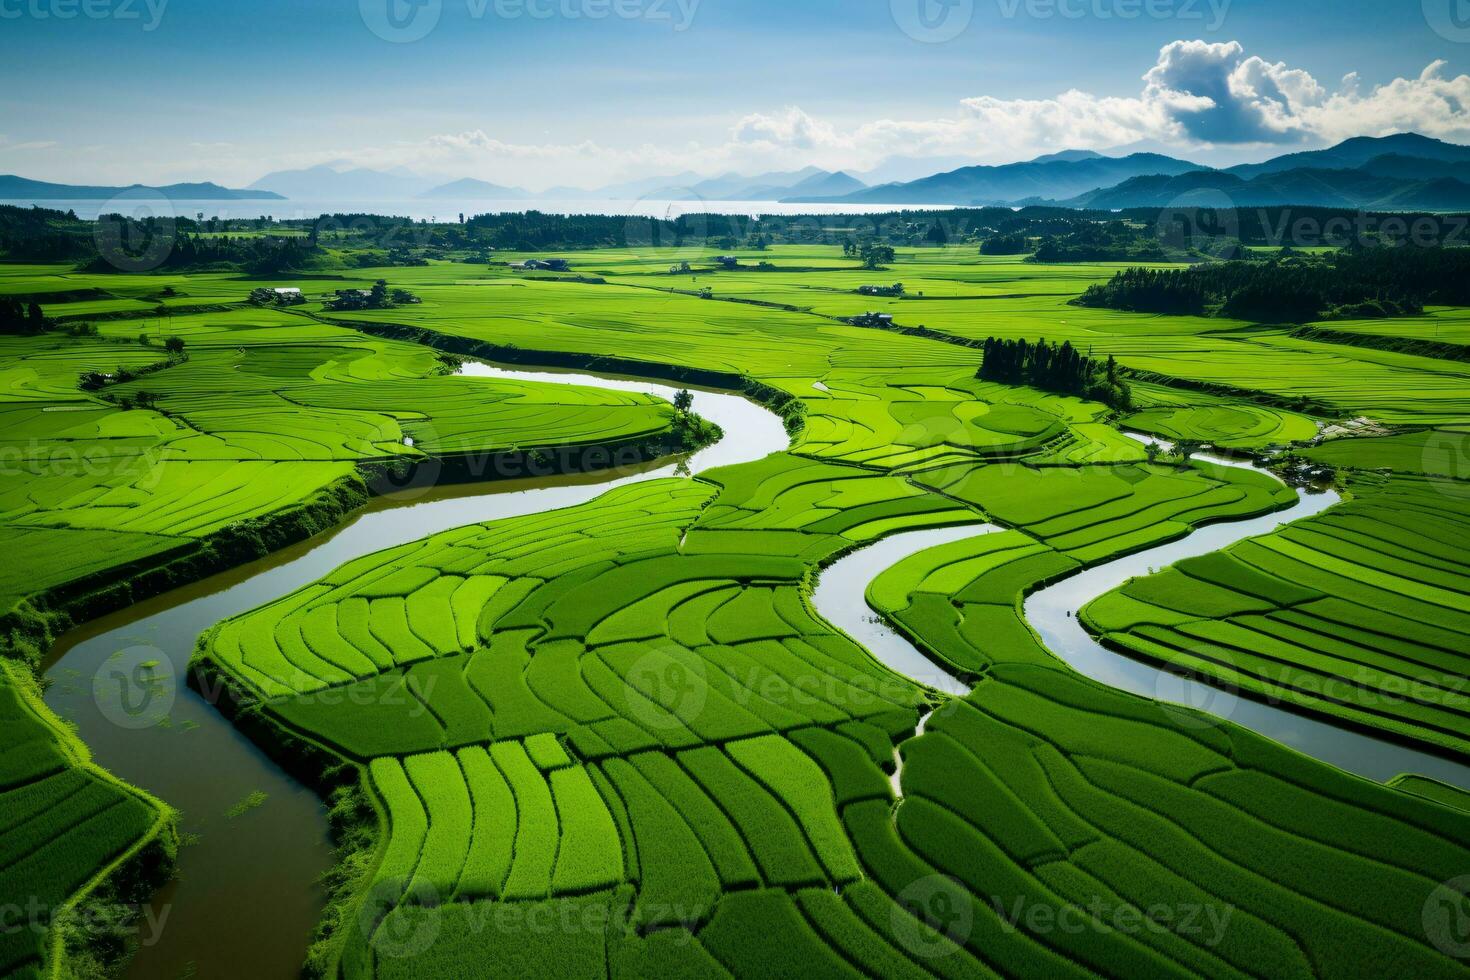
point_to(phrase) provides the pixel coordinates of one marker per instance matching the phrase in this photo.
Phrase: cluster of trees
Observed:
(398, 256)
(1095, 241)
(873, 254)
(1293, 288)
(44, 235)
(120, 243)
(150, 244)
(17, 318)
(1054, 367)
(1014, 243)
(1149, 291)
(537, 231)
(1277, 226)
(261, 255)
(379, 297)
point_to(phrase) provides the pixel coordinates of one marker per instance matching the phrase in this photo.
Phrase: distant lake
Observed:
(448, 209)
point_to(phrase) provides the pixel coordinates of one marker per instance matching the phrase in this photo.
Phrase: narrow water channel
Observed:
(841, 597)
(245, 904)
(1052, 612)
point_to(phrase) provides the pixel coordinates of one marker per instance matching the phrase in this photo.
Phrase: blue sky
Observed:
(157, 90)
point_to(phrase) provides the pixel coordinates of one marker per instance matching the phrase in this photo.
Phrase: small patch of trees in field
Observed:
(1094, 241)
(873, 254)
(1054, 367)
(379, 297)
(1012, 244)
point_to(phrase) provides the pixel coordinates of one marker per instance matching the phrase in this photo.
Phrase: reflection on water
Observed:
(840, 596)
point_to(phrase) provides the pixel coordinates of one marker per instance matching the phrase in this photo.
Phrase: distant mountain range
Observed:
(1406, 171)
(774, 186)
(1401, 172)
(470, 189)
(1314, 188)
(326, 182)
(630, 190)
(22, 189)
(1056, 175)
(1361, 152)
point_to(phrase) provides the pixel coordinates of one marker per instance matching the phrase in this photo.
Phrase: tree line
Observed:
(1054, 367)
(1352, 284)
(268, 246)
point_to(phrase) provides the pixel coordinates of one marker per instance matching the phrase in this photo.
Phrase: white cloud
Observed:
(1204, 95)
(791, 129)
(6, 145)
(1197, 96)
(1432, 104)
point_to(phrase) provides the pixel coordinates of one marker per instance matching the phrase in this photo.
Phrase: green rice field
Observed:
(626, 718)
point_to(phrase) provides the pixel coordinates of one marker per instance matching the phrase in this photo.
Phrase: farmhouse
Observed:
(895, 290)
(873, 319)
(548, 265)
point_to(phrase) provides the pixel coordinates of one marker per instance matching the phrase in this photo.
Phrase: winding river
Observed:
(1052, 612)
(241, 905)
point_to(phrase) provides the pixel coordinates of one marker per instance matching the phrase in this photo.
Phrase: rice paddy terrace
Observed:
(616, 738)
